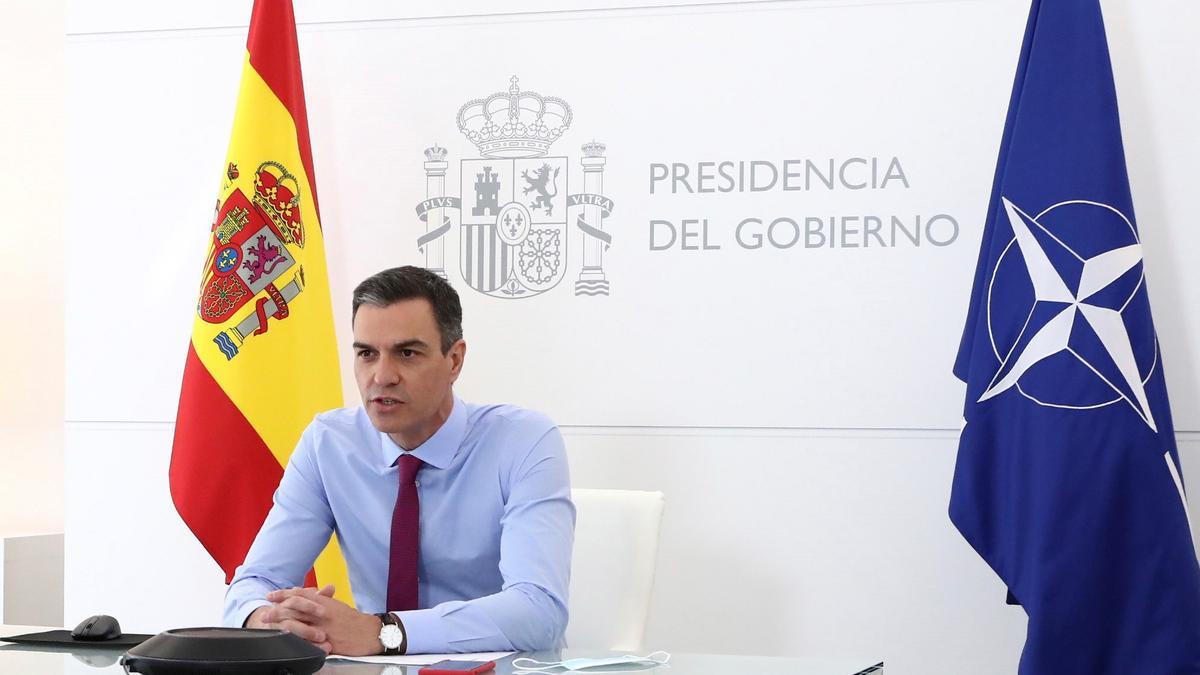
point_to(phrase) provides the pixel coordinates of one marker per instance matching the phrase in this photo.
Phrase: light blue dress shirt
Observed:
(497, 526)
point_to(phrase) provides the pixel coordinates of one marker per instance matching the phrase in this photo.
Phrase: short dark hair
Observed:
(405, 283)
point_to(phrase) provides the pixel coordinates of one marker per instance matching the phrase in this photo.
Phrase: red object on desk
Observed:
(457, 667)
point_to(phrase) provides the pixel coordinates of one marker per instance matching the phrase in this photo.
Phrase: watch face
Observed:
(390, 636)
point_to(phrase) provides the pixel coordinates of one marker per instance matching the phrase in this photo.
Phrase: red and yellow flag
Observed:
(263, 358)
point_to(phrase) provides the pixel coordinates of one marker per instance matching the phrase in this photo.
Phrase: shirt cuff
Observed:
(238, 619)
(421, 631)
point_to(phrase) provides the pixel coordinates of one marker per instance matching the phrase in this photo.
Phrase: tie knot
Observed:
(409, 466)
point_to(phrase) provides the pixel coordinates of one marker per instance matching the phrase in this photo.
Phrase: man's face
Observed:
(404, 379)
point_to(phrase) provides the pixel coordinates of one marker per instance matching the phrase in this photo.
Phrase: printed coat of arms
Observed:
(515, 213)
(249, 254)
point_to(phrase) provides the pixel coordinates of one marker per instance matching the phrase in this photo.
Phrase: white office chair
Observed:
(612, 569)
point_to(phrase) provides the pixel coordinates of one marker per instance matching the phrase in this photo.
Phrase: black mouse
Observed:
(97, 628)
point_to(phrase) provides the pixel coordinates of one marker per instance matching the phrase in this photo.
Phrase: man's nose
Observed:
(387, 372)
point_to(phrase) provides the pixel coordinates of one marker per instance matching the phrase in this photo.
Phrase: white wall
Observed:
(820, 531)
(31, 275)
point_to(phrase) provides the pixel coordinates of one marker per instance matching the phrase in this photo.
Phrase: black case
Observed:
(224, 651)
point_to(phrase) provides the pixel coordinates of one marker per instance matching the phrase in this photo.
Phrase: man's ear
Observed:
(457, 356)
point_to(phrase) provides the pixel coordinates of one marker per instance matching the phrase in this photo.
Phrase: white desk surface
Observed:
(100, 661)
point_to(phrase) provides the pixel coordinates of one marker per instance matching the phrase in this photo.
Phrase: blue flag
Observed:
(1068, 481)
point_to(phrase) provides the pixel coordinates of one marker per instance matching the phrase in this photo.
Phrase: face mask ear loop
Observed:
(592, 671)
(540, 667)
(523, 670)
(543, 666)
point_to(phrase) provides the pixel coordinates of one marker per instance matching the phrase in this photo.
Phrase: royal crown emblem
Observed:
(514, 123)
(515, 225)
(277, 192)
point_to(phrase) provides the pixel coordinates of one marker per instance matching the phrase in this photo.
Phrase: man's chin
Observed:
(387, 422)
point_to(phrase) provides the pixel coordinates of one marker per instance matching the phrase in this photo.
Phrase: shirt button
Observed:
(417, 483)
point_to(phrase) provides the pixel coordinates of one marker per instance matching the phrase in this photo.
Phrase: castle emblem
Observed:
(249, 259)
(515, 216)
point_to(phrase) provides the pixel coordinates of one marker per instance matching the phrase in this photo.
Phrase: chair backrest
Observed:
(612, 569)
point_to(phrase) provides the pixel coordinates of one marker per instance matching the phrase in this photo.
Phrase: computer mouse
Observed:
(97, 628)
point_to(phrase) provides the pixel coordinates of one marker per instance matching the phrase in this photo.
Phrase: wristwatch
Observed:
(391, 634)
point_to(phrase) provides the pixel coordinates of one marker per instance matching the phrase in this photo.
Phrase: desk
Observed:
(98, 661)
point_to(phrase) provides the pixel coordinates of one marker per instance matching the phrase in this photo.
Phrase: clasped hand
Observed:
(318, 617)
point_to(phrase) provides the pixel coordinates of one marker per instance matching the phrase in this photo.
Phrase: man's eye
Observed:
(364, 354)
(407, 353)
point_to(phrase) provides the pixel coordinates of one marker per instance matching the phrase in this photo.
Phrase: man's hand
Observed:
(292, 619)
(317, 617)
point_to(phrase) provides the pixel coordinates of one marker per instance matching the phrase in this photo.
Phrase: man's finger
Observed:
(303, 606)
(285, 614)
(285, 593)
(269, 616)
(303, 630)
(327, 591)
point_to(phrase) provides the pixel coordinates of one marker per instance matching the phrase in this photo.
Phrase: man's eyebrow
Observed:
(403, 344)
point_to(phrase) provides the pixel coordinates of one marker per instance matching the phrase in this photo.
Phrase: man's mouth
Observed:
(386, 401)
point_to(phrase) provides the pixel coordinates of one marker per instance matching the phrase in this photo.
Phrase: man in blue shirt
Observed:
(470, 545)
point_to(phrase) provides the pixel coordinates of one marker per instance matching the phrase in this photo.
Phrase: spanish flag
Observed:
(263, 358)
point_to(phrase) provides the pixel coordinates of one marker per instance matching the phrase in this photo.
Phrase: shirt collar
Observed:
(439, 450)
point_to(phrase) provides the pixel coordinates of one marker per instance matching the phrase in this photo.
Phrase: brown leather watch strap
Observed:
(390, 619)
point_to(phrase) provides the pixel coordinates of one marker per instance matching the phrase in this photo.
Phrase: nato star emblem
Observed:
(1065, 291)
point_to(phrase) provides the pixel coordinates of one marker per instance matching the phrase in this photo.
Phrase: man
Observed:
(455, 519)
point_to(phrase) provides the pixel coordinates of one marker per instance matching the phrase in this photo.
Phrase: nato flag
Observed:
(1068, 481)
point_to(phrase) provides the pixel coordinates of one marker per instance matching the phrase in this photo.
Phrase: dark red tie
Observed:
(406, 538)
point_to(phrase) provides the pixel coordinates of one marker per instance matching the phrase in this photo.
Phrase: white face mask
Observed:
(652, 660)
